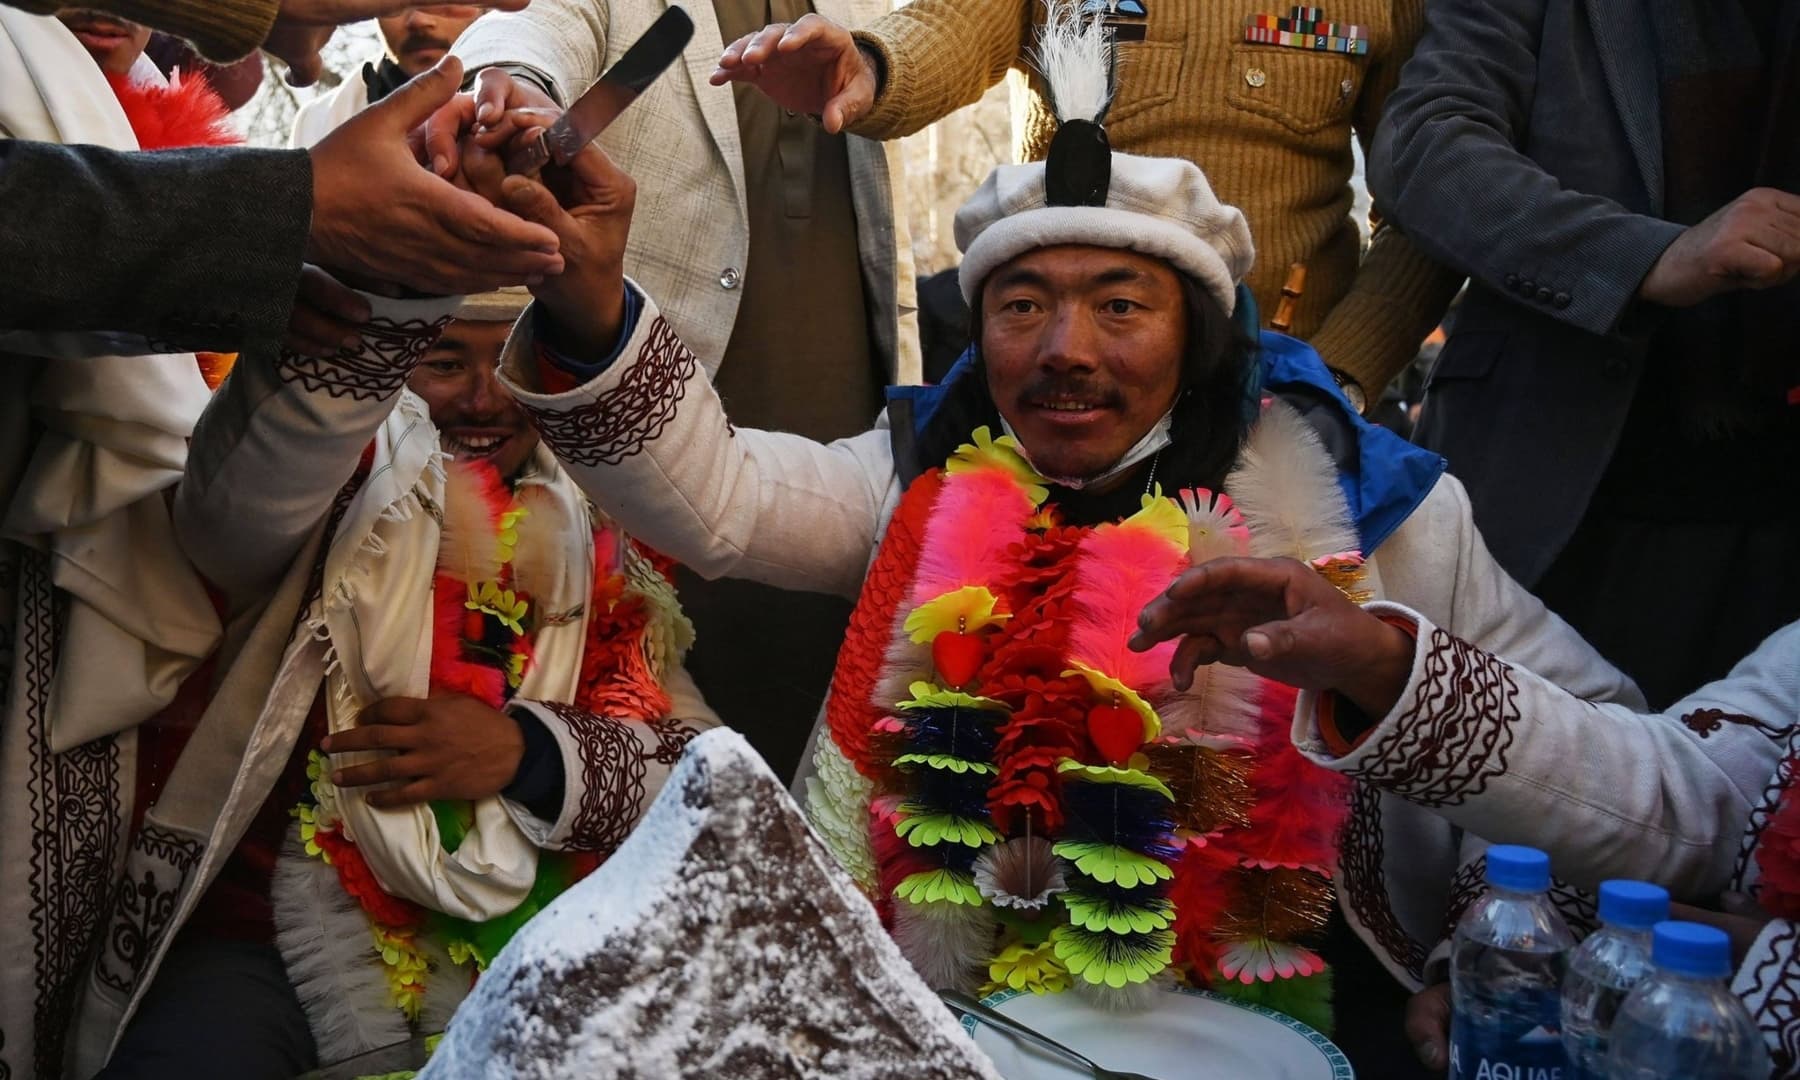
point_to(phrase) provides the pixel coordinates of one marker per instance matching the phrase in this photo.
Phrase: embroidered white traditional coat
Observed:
(1679, 798)
(100, 616)
(650, 443)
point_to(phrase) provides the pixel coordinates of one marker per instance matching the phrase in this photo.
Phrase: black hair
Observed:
(1208, 427)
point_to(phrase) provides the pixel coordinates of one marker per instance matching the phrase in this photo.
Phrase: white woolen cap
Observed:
(1161, 207)
(501, 305)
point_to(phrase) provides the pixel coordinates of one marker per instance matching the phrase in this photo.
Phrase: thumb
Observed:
(1428, 1025)
(532, 201)
(414, 103)
(1272, 640)
(843, 109)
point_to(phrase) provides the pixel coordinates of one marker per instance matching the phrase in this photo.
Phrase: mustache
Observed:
(1046, 387)
(423, 41)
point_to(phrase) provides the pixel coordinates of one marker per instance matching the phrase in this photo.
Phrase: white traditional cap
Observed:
(1083, 193)
(1161, 207)
(501, 305)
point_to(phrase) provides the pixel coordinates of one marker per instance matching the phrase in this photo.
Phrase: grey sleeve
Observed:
(1447, 169)
(191, 249)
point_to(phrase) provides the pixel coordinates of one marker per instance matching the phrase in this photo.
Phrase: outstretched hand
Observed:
(811, 66)
(588, 205)
(379, 216)
(450, 747)
(1280, 619)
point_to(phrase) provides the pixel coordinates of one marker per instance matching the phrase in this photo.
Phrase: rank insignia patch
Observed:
(1126, 18)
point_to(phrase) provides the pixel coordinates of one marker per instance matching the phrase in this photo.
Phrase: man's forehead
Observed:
(1081, 265)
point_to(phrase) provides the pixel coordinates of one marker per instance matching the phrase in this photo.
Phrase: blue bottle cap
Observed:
(1521, 869)
(1686, 948)
(1633, 905)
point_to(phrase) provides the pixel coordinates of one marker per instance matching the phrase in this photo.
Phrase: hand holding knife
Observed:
(648, 57)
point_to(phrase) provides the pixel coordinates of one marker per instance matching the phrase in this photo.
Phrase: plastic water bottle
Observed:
(1609, 963)
(1506, 968)
(1683, 1020)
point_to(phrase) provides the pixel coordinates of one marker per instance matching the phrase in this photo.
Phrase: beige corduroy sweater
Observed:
(221, 29)
(1271, 126)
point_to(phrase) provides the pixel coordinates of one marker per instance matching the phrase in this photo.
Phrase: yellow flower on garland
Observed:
(1108, 690)
(404, 966)
(1027, 967)
(1161, 516)
(1002, 453)
(502, 604)
(967, 610)
(925, 695)
(509, 532)
(464, 953)
(309, 833)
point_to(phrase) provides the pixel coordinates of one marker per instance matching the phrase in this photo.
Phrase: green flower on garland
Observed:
(1110, 864)
(939, 886)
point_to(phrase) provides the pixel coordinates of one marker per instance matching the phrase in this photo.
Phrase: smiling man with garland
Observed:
(1029, 801)
(413, 586)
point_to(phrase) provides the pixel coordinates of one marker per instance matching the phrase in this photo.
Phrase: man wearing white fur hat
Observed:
(1028, 801)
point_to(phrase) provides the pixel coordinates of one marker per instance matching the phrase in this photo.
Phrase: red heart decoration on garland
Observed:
(957, 657)
(1117, 731)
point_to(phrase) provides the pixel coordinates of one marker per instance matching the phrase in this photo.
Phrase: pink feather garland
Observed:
(978, 515)
(1119, 569)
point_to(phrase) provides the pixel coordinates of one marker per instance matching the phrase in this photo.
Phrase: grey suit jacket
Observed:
(1523, 147)
(184, 249)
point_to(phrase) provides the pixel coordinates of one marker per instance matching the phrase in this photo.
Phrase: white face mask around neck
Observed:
(1153, 441)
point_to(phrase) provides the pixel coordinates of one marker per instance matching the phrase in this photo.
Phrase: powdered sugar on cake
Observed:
(720, 940)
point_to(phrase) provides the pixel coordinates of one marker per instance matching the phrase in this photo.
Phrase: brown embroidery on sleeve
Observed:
(615, 761)
(378, 367)
(617, 423)
(1455, 736)
(1704, 722)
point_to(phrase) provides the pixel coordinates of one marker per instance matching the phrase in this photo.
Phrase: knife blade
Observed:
(601, 104)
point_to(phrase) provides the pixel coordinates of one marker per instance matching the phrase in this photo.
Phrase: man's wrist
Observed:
(1380, 676)
(875, 63)
(1350, 388)
(586, 332)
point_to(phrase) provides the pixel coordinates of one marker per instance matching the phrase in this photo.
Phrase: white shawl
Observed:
(112, 438)
(378, 616)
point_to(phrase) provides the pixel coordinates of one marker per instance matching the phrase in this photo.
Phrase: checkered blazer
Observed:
(690, 233)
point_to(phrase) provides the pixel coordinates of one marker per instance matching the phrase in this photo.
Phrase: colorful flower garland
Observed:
(482, 647)
(1049, 811)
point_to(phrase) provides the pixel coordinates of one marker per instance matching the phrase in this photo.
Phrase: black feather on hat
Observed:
(1076, 57)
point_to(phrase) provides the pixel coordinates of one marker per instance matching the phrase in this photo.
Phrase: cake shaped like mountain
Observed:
(720, 940)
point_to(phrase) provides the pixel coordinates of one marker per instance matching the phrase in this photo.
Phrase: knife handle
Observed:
(531, 157)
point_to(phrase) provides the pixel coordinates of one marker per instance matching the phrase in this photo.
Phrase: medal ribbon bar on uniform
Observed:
(1306, 28)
